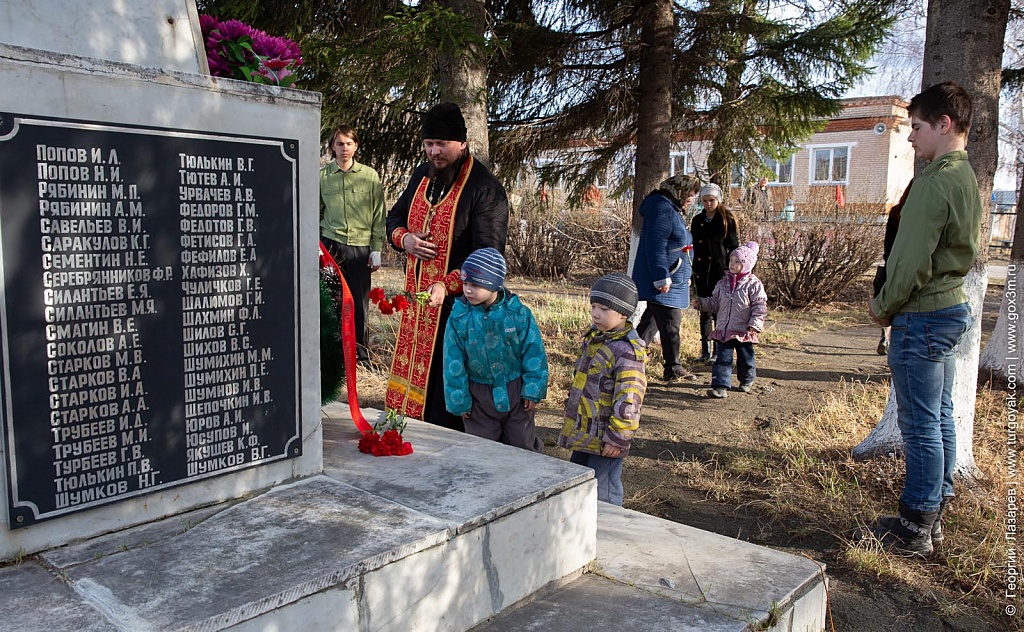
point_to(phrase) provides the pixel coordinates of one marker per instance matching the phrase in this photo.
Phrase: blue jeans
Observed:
(607, 471)
(721, 370)
(923, 364)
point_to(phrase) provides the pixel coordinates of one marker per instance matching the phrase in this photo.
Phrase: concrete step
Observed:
(461, 532)
(437, 540)
(655, 575)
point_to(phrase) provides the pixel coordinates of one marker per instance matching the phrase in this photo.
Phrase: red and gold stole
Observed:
(410, 368)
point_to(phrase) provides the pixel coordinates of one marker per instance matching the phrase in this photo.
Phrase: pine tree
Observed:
(755, 83)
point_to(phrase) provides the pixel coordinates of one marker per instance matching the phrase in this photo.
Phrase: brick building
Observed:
(864, 150)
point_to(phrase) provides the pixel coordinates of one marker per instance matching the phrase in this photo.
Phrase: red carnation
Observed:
(399, 303)
(385, 308)
(368, 442)
(377, 295)
(392, 440)
(389, 442)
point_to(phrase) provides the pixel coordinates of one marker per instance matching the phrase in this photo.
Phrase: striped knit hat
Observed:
(615, 291)
(486, 268)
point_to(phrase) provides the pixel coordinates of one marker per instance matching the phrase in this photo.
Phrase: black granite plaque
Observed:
(149, 322)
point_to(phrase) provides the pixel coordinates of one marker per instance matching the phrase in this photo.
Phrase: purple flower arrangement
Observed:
(236, 50)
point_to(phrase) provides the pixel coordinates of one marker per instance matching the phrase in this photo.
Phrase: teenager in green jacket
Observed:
(924, 301)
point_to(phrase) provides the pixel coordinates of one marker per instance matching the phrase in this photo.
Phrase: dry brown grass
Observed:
(804, 480)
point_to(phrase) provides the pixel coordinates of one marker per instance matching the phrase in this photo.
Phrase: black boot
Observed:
(888, 522)
(909, 533)
(705, 351)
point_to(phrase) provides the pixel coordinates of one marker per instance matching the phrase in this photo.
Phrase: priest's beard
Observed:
(445, 178)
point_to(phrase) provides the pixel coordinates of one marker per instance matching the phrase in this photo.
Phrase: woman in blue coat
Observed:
(662, 267)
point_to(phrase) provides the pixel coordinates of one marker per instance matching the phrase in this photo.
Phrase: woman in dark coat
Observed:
(661, 270)
(715, 235)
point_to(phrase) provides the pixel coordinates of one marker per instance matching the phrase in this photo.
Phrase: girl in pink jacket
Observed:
(741, 306)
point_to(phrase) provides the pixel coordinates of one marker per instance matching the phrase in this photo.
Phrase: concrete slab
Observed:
(143, 535)
(652, 574)
(464, 480)
(33, 597)
(596, 603)
(254, 557)
(533, 517)
(733, 577)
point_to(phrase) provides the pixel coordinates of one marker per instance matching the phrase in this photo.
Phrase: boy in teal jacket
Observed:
(495, 366)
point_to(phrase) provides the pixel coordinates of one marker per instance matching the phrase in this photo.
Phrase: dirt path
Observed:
(679, 423)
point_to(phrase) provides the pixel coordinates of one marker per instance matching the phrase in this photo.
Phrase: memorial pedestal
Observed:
(462, 533)
(438, 540)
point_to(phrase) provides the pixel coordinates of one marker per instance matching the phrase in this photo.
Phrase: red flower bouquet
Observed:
(386, 438)
(400, 302)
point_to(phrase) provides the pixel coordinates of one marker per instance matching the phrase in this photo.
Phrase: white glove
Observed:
(375, 259)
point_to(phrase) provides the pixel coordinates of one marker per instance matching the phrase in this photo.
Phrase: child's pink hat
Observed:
(747, 254)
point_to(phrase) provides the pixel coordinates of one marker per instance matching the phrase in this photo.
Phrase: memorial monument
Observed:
(157, 260)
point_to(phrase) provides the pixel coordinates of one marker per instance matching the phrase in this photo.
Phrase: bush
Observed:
(814, 258)
(550, 239)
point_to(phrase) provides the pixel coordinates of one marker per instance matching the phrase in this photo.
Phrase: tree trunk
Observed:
(885, 438)
(654, 102)
(964, 43)
(721, 157)
(463, 78)
(998, 352)
(654, 113)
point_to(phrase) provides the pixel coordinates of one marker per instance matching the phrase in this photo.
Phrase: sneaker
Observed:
(883, 347)
(743, 388)
(717, 392)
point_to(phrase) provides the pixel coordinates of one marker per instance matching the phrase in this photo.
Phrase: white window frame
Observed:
(813, 149)
(688, 166)
(778, 181)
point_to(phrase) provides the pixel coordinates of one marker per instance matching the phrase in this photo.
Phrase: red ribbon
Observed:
(348, 342)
